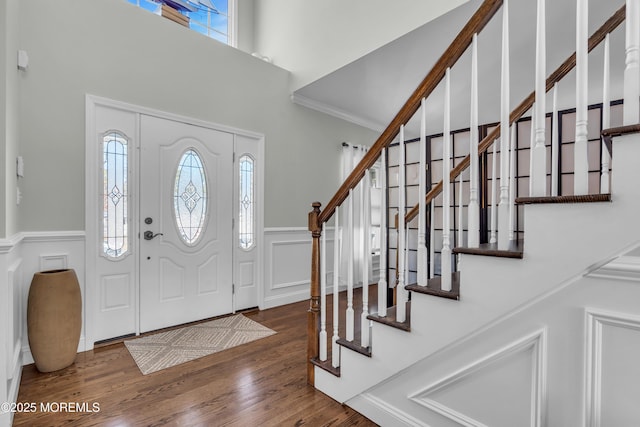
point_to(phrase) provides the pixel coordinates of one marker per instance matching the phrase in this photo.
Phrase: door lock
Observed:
(148, 235)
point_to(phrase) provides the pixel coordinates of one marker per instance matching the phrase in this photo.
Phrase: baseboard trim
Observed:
(284, 299)
(382, 412)
(27, 357)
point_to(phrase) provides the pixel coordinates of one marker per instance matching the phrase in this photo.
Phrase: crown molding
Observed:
(302, 100)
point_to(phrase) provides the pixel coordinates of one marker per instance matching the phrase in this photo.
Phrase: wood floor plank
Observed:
(259, 383)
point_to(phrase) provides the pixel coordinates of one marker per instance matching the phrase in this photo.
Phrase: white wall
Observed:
(314, 38)
(116, 50)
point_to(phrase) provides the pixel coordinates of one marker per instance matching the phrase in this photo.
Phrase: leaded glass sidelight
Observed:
(247, 202)
(190, 197)
(115, 195)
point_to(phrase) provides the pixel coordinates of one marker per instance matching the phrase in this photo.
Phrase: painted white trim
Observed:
(53, 236)
(322, 107)
(272, 281)
(595, 320)
(272, 230)
(132, 108)
(288, 298)
(622, 268)
(535, 341)
(393, 415)
(232, 32)
(7, 245)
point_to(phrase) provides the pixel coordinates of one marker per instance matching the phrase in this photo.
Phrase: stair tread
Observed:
(327, 366)
(390, 318)
(586, 198)
(515, 250)
(355, 346)
(434, 287)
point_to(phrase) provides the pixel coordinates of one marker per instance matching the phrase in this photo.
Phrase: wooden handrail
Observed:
(448, 59)
(560, 72)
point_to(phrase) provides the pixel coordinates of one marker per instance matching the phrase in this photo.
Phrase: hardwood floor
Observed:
(257, 384)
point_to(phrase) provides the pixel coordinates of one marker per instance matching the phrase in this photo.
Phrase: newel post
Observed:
(313, 315)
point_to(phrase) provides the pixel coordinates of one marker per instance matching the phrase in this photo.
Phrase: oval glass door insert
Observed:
(190, 197)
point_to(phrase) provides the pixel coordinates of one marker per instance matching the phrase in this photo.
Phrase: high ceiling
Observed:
(372, 89)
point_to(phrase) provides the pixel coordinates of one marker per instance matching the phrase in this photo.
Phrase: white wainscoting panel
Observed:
(288, 265)
(514, 373)
(11, 325)
(613, 371)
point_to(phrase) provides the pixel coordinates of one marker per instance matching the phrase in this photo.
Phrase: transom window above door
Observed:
(213, 18)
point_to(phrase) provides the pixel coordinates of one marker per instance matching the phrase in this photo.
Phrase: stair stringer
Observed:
(554, 361)
(492, 287)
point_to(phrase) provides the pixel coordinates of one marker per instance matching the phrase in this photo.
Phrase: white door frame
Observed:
(92, 222)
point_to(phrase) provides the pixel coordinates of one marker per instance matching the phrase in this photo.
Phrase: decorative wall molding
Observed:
(596, 320)
(302, 100)
(53, 236)
(394, 415)
(273, 249)
(7, 245)
(621, 268)
(54, 262)
(535, 342)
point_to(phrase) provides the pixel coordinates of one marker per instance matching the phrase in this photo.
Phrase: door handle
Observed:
(148, 235)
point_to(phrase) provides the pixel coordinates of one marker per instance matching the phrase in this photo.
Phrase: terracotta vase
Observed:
(54, 319)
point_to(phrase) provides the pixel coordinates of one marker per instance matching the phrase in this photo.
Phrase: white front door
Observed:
(186, 211)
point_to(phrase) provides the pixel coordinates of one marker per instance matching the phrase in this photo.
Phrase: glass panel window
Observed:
(190, 197)
(209, 17)
(115, 195)
(247, 202)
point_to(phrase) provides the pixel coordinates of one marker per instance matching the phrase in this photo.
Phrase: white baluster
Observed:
(494, 195)
(432, 241)
(445, 254)
(555, 143)
(474, 209)
(581, 160)
(460, 236)
(538, 174)
(366, 252)
(606, 117)
(382, 282)
(532, 143)
(323, 296)
(422, 205)
(350, 246)
(631, 111)
(512, 184)
(401, 292)
(505, 111)
(335, 348)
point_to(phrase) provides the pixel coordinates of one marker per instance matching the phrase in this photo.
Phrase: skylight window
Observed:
(213, 18)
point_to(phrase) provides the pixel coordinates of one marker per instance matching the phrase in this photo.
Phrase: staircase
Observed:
(510, 273)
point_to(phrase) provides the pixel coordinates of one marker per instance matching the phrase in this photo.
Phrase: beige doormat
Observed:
(165, 349)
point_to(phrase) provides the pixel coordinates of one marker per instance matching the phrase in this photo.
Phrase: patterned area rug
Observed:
(165, 349)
